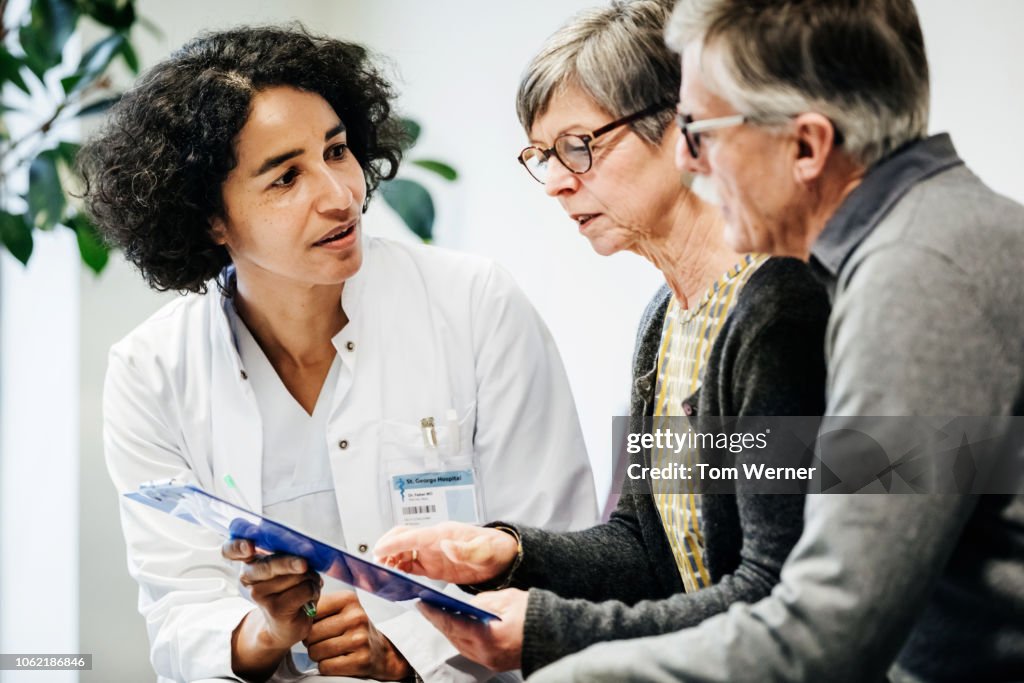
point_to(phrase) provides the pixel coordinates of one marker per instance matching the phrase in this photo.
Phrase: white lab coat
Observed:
(429, 330)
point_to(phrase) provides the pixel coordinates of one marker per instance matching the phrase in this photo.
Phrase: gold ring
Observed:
(415, 555)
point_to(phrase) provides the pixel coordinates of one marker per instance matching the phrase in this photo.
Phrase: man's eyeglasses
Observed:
(692, 129)
(573, 150)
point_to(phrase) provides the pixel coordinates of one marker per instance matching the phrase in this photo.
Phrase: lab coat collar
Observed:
(237, 439)
(355, 287)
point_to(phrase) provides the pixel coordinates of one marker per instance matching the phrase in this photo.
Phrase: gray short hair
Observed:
(861, 63)
(616, 55)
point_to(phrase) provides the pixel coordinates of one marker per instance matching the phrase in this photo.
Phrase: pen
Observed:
(431, 458)
(429, 432)
(310, 607)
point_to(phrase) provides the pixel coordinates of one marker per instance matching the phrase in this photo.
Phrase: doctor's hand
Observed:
(498, 645)
(343, 642)
(451, 551)
(279, 585)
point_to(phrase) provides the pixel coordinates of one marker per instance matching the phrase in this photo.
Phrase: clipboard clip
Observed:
(151, 489)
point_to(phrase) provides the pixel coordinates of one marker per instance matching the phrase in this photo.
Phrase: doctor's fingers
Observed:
(346, 641)
(358, 663)
(284, 597)
(238, 549)
(262, 590)
(271, 567)
(335, 602)
(352, 618)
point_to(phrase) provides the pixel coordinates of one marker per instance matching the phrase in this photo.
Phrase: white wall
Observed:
(459, 62)
(39, 540)
(977, 66)
(39, 465)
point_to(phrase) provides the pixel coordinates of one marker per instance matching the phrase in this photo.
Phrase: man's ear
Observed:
(815, 135)
(218, 231)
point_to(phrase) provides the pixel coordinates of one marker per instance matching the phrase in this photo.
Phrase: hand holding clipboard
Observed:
(196, 506)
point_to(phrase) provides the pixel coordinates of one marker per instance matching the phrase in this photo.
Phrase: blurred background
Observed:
(64, 587)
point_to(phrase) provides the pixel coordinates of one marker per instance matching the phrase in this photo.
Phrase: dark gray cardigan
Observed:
(768, 360)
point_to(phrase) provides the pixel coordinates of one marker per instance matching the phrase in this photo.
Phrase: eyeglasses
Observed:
(692, 129)
(573, 150)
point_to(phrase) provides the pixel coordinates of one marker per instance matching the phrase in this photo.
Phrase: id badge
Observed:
(445, 491)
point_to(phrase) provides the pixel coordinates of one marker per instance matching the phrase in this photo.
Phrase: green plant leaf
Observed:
(58, 17)
(413, 204)
(43, 38)
(131, 59)
(16, 235)
(93, 63)
(99, 106)
(46, 199)
(37, 57)
(439, 167)
(412, 133)
(117, 14)
(93, 250)
(10, 71)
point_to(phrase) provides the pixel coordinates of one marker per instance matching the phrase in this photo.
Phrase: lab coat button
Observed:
(343, 444)
(244, 376)
(363, 547)
(351, 346)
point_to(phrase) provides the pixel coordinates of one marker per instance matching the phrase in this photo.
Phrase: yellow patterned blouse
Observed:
(686, 341)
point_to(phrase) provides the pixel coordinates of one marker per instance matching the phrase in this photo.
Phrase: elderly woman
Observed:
(728, 336)
(293, 376)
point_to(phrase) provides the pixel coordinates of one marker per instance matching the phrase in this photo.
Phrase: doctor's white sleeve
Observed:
(531, 457)
(187, 592)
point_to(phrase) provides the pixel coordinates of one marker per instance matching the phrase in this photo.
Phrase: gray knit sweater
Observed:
(619, 579)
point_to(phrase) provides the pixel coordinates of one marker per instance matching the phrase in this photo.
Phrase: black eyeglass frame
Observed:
(587, 138)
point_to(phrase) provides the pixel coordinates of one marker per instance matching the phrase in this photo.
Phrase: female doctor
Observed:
(307, 361)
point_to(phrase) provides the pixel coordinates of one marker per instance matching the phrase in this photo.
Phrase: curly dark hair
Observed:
(153, 175)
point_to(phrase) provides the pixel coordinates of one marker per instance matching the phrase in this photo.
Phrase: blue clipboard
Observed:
(195, 505)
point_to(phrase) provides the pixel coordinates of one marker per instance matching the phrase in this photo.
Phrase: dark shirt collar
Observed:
(883, 186)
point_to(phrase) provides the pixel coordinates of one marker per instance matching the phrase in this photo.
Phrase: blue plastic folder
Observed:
(194, 505)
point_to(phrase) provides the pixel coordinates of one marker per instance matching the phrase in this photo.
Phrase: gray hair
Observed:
(861, 63)
(616, 55)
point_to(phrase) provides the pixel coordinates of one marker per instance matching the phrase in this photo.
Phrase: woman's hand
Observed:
(451, 551)
(280, 585)
(498, 645)
(343, 642)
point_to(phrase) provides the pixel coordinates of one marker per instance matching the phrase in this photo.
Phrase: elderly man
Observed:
(809, 118)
